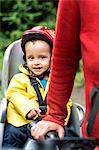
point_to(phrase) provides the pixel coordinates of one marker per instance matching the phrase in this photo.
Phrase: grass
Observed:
(79, 79)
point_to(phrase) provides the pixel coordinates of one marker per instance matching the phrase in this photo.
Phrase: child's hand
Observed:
(32, 113)
(42, 116)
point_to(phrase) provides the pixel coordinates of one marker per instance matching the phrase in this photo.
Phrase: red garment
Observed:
(97, 148)
(77, 23)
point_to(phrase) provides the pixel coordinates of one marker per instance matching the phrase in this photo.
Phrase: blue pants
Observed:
(15, 137)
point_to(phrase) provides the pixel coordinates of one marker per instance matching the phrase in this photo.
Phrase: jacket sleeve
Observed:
(18, 96)
(65, 60)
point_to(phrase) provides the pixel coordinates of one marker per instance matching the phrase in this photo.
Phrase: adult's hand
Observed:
(39, 130)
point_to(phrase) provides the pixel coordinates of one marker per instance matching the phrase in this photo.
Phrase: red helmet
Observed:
(38, 32)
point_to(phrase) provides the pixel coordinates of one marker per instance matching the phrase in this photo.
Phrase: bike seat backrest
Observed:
(12, 58)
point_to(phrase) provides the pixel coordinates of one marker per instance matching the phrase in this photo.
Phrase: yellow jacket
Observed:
(22, 98)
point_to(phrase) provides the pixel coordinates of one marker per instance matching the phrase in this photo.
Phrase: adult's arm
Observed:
(76, 19)
(65, 60)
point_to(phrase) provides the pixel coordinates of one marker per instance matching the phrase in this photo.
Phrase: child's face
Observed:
(38, 56)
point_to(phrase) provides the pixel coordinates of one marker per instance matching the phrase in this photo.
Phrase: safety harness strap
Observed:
(94, 97)
(36, 85)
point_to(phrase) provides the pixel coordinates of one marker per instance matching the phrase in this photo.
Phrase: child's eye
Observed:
(30, 58)
(43, 57)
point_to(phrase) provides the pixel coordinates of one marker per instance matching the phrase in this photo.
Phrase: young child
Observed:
(24, 98)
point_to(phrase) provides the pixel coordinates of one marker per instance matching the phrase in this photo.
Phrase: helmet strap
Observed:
(32, 74)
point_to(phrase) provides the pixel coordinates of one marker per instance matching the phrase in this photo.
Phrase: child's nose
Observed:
(36, 62)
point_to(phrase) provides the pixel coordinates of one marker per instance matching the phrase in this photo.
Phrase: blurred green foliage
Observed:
(1, 56)
(4, 42)
(19, 15)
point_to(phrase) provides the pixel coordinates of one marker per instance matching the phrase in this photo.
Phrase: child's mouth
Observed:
(37, 69)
